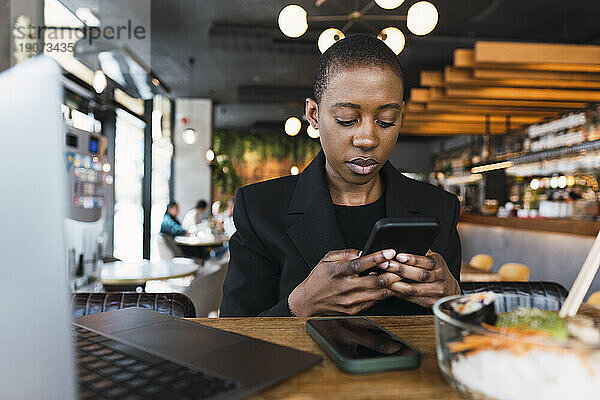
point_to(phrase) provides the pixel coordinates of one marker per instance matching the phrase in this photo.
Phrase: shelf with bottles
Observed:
(558, 195)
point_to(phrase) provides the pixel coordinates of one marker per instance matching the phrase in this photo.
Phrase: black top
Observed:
(285, 226)
(355, 222)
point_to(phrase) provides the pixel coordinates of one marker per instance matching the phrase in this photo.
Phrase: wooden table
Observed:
(326, 381)
(121, 274)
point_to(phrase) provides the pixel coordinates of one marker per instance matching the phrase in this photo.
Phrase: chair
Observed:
(482, 262)
(206, 290)
(594, 299)
(514, 272)
(167, 247)
(544, 295)
(175, 304)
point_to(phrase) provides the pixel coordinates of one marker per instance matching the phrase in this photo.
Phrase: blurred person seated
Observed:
(170, 225)
(195, 215)
(228, 224)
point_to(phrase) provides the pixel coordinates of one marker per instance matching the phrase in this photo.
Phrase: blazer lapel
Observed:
(312, 226)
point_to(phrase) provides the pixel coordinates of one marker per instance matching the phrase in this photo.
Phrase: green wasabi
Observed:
(534, 319)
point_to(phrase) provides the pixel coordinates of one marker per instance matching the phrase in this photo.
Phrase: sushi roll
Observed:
(475, 309)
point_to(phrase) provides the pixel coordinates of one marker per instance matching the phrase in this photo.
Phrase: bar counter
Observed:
(552, 249)
(554, 225)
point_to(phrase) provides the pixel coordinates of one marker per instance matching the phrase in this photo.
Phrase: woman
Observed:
(170, 224)
(295, 251)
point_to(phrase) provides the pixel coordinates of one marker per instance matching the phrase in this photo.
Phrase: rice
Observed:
(535, 375)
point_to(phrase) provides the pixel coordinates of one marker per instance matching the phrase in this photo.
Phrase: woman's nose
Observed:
(366, 138)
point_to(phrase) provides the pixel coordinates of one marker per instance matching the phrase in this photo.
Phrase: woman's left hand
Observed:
(432, 278)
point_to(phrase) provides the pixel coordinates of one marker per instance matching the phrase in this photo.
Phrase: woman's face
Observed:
(358, 119)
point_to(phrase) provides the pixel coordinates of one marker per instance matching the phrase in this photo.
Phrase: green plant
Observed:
(232, 145)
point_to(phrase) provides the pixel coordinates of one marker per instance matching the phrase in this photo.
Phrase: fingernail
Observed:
(385, 265)
(389, 254)
(402, 257)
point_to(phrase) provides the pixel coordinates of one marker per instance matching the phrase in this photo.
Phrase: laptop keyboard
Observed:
(113, 370)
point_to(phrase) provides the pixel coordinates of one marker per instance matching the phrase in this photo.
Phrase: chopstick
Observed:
(582, 282)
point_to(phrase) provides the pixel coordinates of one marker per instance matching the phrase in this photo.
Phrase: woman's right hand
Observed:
(334, 287)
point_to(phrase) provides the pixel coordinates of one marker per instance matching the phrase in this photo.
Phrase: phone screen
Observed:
(359, 338)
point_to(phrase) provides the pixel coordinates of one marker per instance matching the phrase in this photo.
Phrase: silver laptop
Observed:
(130, 353)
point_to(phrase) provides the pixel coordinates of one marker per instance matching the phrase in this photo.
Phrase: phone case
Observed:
(365, 365)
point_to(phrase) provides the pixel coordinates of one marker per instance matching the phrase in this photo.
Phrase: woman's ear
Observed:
(312, 112)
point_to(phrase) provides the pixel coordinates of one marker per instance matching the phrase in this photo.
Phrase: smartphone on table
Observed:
(358, 345)
(404, 235)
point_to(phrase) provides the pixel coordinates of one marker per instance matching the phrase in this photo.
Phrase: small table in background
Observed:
(121, 275)
(199, 247)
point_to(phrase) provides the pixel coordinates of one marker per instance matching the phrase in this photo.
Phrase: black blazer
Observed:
(286, 225)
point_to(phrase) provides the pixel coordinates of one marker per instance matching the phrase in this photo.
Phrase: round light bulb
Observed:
(329, 37)
(393, 38)
(554, 182)
(534, 184)
(312, 132)
(99, 81)
(389, 4)
(189, 136)
(422, 18)
(292, 126)
(210, 155)
(106, 167)
(294, 170)
(562, 182)
(293, 21)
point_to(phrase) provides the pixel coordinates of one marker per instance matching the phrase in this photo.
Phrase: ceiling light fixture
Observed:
(99, 82)
(329, 37)
(293, 21)
(312, 132)
(394, 38)
(292, 126)
(421, 19)
(389, 4)
(189, 136)
(210, 155)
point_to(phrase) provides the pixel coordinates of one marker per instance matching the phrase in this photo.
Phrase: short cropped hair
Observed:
(201, 204)
(353, 51)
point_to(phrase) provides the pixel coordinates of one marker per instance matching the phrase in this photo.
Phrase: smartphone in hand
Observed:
(405, 235)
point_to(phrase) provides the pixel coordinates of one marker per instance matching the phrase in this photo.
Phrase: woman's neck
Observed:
(348, 194)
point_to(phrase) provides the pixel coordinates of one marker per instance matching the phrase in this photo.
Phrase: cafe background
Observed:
(504, 115)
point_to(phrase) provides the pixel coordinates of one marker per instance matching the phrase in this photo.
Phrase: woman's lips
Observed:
(362, 166)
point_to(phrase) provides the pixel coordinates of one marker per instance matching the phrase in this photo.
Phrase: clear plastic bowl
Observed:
(506, 377)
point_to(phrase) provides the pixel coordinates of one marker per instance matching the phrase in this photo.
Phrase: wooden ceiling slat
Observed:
(465, 58)
(524, 94)
(454, 77)
(485, 73)
(511, 104)
(469, 118)
(535, 53)
(419, 95)
(471, 128)
(454, 108)
(432, 78)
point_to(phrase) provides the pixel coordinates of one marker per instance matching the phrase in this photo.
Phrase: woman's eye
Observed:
(346, 123)
(384, 124)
